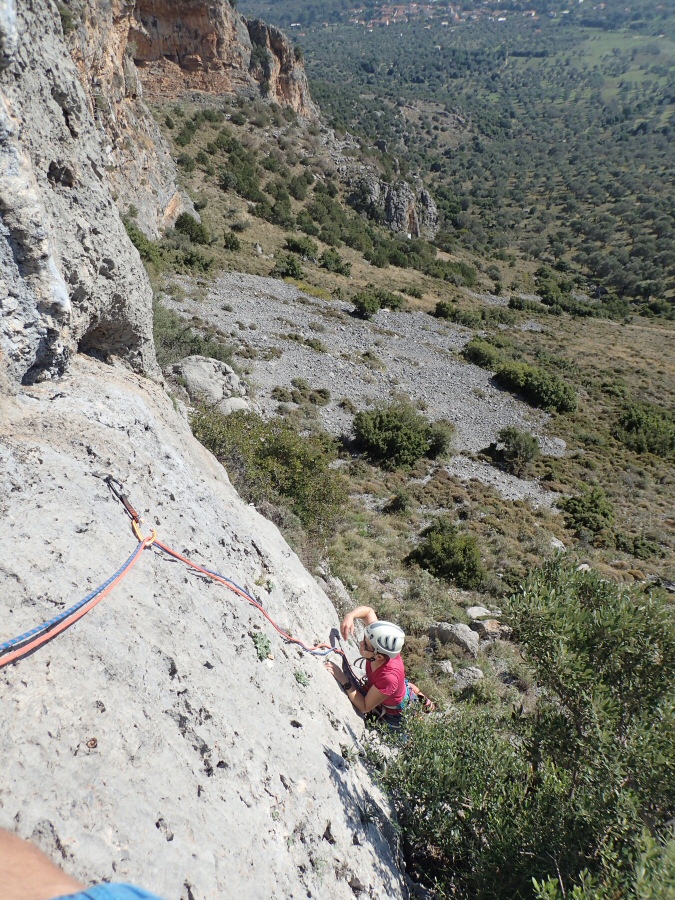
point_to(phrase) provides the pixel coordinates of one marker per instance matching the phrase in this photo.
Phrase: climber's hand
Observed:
(336, 672)
(347, 627)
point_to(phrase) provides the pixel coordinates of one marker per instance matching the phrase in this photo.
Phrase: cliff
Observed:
(138, 163)
(69, 277)
(193, 45)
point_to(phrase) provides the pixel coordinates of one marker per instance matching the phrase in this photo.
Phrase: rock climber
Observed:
(386, 689)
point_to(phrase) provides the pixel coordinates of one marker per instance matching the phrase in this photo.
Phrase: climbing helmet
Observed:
(385, 637)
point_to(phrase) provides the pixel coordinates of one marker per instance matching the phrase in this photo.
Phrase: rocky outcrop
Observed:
(277, 66)
(204, 45)
(69, 276)
(138, 163)
(397, 205)
(155, 741)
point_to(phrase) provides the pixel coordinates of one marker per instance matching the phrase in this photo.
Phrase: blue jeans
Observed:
(112, 892)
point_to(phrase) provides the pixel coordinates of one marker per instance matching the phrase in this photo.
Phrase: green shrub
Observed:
(148, 250)
(175, 339)
(196, 231)
(590, 511)
(488, 800)
(333, 262)
(393, 436)
(366, 304)
(269, 462)
(187, 162)
(483, 354)
(447, 553)
(646, 428)
(537, 386)
(372, 299)
(287, 266)
(520, 449)
(231, 242)
(303, 246)
(194, 261)
(441, 433)
(169, 122)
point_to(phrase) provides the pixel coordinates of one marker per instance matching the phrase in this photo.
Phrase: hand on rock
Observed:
(336, 672)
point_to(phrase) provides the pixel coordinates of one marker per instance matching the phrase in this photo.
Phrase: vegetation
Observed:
(520, 449)
(396, 435)
(273, 466)
(501, 805)
(175, 339)
(450, 554)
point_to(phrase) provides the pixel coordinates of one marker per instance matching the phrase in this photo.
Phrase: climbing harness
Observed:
(25, 644)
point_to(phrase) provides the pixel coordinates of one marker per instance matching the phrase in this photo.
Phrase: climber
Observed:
(386, 690)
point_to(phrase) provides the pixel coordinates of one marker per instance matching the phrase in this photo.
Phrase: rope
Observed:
(27, 643)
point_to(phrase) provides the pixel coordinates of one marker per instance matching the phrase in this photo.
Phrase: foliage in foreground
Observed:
(396, 436)
(270, 463)
(488, 802)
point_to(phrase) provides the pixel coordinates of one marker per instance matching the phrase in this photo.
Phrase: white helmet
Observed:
(386, 638)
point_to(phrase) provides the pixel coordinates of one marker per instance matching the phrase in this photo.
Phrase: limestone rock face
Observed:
(396, 205)
(69, 276)
(205, 45)
(149, 742)
(138, 163)
(283, 72)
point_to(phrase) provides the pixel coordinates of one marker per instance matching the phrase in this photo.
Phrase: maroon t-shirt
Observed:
(389, 679)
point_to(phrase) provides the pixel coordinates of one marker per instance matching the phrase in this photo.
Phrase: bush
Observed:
(520, 449)
(449, 554)
(366, 304)
(303, 246)
(231, 241)
(175, 339)
(646, 428)
(489, 800)
(537, 386)
(270, 463)
(441, 434)
(287, 266)
(148, 250)
(393, 436)
(333, 262)
(483, 354)
(196, 231)
(591, 511)
(372, 299)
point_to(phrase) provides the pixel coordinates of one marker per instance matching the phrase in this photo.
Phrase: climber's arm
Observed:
(27, 874)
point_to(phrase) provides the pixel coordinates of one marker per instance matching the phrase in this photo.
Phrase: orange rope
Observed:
(42, 639)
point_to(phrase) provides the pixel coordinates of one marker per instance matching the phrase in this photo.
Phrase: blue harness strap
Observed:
(111, 892)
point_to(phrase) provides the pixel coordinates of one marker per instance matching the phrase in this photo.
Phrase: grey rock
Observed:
(153, 716)
(446, 667)
(491, 629)
(467, 677)
(478, 612)
(60, 229)
(557, 544)
(404, 210)
(458, 633)
(210, 381)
